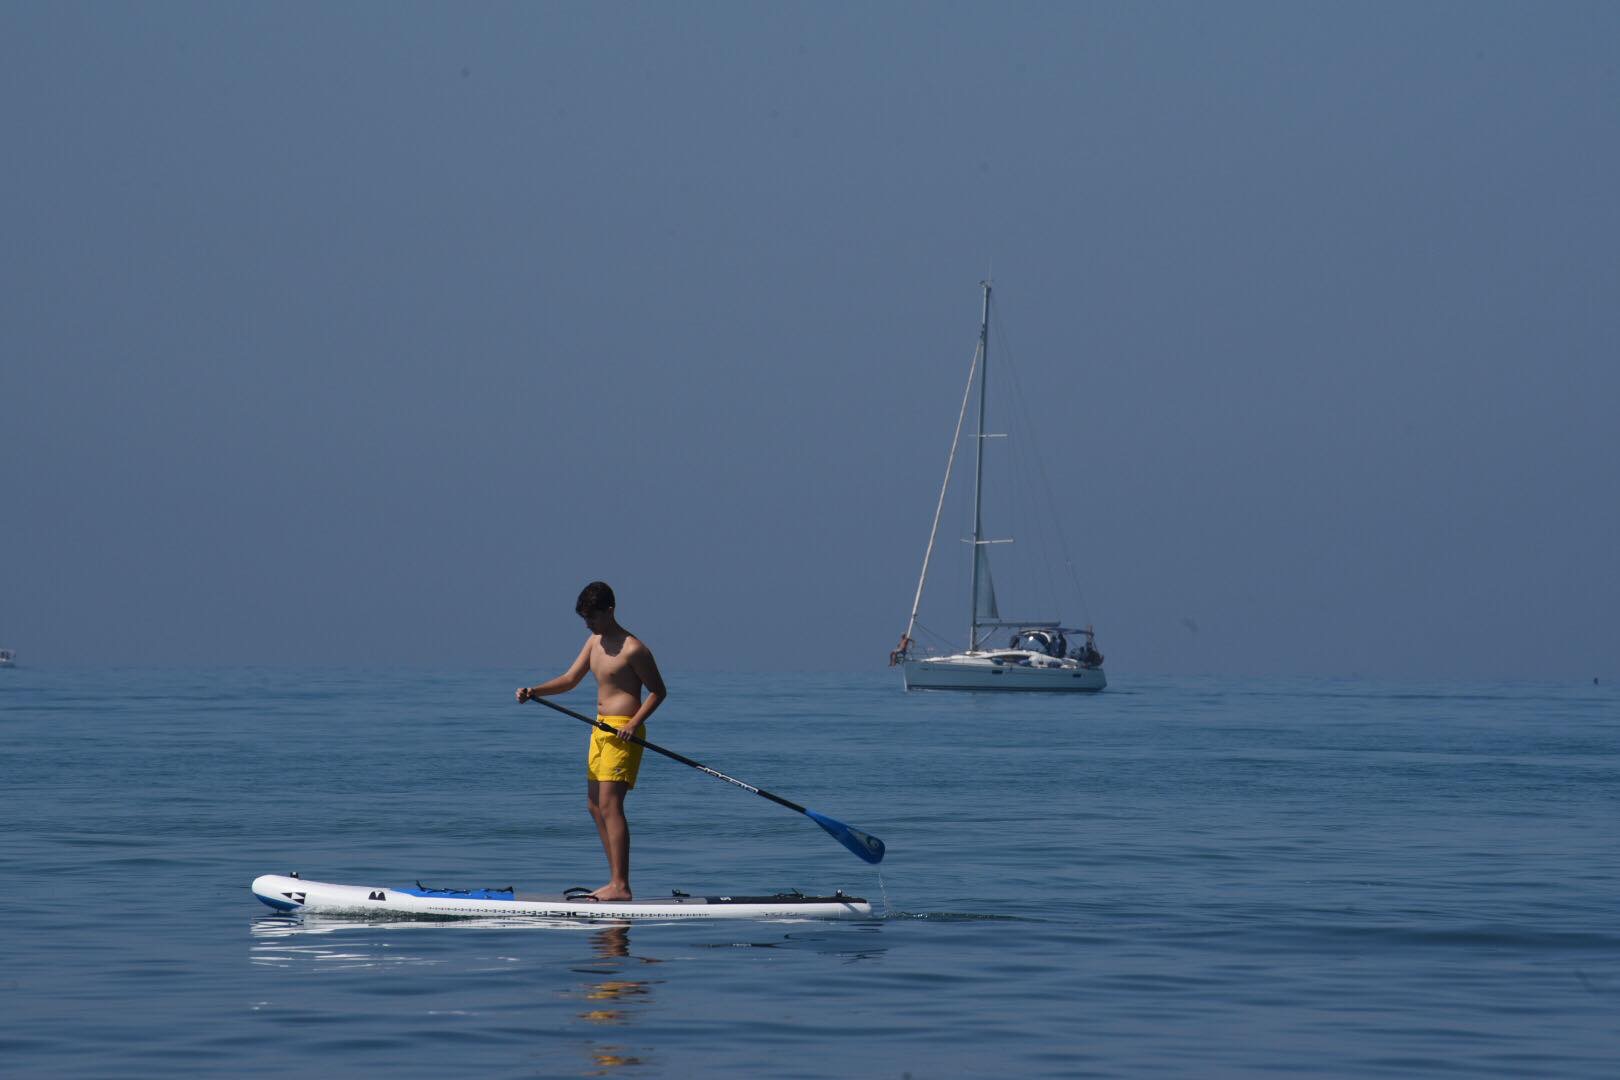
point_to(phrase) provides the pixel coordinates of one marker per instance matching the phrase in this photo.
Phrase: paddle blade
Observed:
(864, 845)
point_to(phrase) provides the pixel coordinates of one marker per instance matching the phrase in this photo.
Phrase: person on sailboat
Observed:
(624, 667)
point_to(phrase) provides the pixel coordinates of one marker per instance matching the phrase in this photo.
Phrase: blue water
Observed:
(1178, 877)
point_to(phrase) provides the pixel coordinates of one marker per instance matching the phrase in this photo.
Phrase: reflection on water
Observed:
(273, 926)
(610, 994)
(603, 1006)
(283, 940)
(614, 1001)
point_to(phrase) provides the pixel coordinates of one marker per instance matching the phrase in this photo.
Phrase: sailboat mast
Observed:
(978, 468)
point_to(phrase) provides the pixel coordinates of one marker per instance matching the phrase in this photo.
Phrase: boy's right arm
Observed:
(564, 682)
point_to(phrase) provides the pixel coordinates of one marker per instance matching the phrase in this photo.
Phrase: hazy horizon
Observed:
(365, 336)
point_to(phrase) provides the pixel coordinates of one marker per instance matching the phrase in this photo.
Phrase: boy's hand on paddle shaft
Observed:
(626, 732)
(523, 694)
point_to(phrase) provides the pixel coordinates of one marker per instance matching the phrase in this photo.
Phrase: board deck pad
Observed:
(296, 894)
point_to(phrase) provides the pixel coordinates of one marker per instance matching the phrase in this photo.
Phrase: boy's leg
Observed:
(593, 796)
(607, 808)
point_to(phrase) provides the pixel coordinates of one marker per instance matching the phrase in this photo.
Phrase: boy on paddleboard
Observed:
(624, 667)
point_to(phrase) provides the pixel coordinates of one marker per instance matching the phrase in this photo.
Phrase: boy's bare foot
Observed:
(612, 892)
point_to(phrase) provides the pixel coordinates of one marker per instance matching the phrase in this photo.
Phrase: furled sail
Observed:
(984, 600)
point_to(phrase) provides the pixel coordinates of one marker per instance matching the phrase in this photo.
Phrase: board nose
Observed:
(278, 892)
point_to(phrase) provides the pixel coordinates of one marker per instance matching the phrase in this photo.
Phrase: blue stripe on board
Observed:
(279, 905)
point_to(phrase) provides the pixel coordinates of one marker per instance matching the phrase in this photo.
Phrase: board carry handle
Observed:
(864, 845)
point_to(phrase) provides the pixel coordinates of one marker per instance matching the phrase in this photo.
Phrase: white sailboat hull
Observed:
(977, 671)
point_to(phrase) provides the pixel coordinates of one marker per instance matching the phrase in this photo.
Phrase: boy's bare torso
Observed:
(618, 687)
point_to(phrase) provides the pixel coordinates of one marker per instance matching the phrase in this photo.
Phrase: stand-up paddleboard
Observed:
(295, 894)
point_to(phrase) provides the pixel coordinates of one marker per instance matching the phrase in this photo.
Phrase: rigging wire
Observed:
(1021, 488)
(941, 638)
(1040, 462)
(1026, 497)
(944, 486)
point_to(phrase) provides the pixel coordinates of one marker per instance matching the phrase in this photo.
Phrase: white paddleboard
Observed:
(295, 894)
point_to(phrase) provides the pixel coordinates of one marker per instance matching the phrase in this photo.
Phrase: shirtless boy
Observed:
(623, 667)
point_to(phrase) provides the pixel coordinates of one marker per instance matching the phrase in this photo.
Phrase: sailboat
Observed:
(1042, 654)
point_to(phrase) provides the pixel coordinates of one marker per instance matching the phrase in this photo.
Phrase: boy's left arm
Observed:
(646, 669)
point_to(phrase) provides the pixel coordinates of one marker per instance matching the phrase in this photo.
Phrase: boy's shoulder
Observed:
(628, 644)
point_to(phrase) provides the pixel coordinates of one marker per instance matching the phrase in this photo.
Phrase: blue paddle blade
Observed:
(864, 845)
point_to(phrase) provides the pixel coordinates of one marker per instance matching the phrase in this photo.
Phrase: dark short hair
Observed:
(597, 596)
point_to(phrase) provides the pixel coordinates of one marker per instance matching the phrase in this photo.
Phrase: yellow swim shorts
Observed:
(611, 757)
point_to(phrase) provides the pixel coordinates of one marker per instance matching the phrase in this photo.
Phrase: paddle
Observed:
(864, 845)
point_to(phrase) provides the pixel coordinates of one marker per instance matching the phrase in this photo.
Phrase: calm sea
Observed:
(1178, 877)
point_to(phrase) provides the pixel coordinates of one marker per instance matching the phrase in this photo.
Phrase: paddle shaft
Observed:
(682, 758)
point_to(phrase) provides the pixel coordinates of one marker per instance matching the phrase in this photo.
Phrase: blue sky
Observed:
(368, 333)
